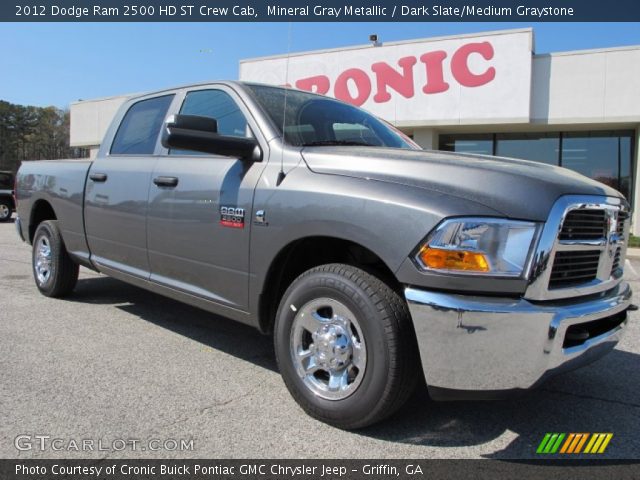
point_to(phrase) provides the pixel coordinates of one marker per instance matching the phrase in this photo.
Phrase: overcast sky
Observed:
(57, 63)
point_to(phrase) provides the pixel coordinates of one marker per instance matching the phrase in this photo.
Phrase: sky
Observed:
(58, 63)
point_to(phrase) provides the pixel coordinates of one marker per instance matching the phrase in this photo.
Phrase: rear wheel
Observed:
(5, 211)
(345, 346)
(55, 273)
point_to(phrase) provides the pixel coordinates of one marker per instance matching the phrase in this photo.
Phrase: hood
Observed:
(515, 188)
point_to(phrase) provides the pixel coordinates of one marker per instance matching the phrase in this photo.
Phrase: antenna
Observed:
(281, 174)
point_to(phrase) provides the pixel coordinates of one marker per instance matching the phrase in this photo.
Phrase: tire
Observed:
(5, 211)
(345, 346)
(55, 273)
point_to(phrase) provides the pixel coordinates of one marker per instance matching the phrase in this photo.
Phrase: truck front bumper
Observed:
(483, 347)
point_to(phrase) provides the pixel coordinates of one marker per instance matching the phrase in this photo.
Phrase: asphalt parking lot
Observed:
(114, 362)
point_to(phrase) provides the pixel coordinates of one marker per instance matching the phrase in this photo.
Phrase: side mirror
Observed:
(193, 132)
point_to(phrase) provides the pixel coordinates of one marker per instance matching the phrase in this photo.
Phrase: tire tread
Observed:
(401, 342)
(67, 271)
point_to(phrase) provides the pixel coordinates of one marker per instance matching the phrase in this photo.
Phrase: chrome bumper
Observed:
(474, 344)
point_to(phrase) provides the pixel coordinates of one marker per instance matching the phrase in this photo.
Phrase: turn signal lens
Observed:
(440, 259)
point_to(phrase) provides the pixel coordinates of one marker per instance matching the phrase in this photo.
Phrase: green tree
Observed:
(34, 133)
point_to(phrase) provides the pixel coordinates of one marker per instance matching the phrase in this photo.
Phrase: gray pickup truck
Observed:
(372, 262)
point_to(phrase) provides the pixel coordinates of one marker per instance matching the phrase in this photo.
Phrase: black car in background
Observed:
(7, 205)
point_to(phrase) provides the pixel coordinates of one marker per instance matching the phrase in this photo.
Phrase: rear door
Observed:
(200, 208)
(116, 197)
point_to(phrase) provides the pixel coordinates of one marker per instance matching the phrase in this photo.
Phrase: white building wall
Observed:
(591, 86)
(90, 120)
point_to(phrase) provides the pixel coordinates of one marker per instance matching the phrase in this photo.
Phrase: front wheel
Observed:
(55, 273)
(345, 346)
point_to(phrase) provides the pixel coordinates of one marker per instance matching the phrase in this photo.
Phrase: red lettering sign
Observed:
(402, 81)
(318, 84)
(389, 77)
(361, 81)
(460, 65)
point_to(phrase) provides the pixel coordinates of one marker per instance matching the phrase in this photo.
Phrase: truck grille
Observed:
(584, 225)
(574, 267)
(616, 261)
(574, 264)
(582, 248)
(622, 218)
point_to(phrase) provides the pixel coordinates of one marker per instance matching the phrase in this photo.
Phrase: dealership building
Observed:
(487, 93)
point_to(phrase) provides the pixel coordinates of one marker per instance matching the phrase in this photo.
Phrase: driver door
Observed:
(191, 248)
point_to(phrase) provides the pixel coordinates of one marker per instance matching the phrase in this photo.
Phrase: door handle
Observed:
(166, 181)
(98, 177)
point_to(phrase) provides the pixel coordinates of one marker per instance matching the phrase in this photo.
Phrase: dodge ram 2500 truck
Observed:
(371, 261)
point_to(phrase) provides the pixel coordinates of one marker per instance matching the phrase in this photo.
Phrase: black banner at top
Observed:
(320, 11)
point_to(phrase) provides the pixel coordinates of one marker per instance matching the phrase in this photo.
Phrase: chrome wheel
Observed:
(328, 348)
(5, 211)
(43, 260)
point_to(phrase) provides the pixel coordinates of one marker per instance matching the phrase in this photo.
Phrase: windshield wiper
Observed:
(335, 142)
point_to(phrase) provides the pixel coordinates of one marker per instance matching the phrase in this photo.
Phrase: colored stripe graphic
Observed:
(550, 443)
(597, 443)
(565, 447)
(581, 443)
(556, 445)
(543, 443)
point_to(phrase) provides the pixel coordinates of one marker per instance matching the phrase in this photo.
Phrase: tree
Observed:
(34, 133)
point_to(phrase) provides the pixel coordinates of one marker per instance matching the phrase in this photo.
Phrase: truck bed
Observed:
(62, 184)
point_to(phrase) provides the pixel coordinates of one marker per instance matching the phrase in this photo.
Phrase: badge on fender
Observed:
(232, 217)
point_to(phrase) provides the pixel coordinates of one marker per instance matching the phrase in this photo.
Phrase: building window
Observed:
(468, 143)
(603, 156)
(540, 147)
(606, 156)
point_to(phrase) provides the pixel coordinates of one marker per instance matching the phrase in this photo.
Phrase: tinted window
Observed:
(139, 130)
(468, 143)
(219, 105)
(541, 147)
(315, 120)
(603, 156)
(6, 181)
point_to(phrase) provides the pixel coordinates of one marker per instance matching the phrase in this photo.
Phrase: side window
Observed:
(6, 181)
(140, 127)
(219, 105)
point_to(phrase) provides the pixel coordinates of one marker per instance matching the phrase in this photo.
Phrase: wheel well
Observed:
(41, 211)
(301, 255)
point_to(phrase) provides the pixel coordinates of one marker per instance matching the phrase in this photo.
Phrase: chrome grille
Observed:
(622, 220)
(582, 248)
(616, 262)
(574, 268)
(586, 224)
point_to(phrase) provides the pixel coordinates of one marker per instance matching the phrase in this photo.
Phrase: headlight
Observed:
(480, 246)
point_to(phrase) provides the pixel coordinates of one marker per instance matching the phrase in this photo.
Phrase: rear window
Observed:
(6, 181)
(140, 127)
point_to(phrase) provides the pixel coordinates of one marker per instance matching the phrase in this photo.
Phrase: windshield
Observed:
(313, 120)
